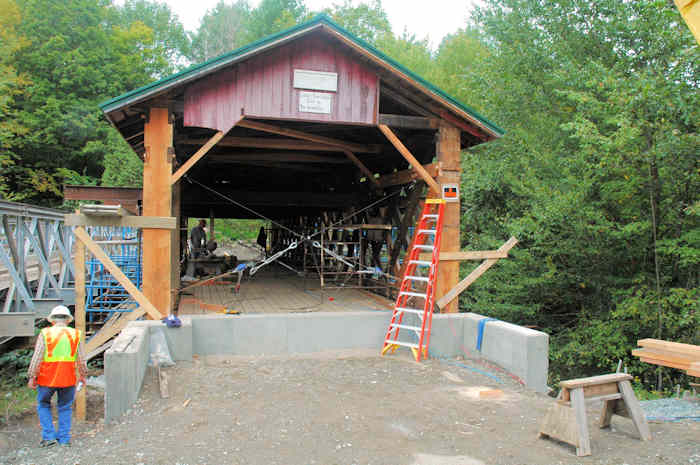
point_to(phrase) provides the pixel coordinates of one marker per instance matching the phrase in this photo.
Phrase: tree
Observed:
(171, 44)
(596, 175)
(75, 54)
(273, 16)
(367, 21)
(223, 28)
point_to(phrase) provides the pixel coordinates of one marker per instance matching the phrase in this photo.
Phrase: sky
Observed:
(433, 19)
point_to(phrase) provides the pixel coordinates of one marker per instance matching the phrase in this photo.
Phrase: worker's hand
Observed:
(31, 384)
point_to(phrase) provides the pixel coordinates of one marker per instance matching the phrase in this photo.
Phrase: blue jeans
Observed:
(65, 412)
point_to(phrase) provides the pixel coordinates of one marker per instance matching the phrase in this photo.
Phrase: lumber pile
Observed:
(670, 354)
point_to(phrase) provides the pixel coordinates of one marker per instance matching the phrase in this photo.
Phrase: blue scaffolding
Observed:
(105, 296)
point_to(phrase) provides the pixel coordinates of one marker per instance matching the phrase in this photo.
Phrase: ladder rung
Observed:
(417, 311)
(400, 343)
(413, 294)
(424, 247)
(426, 231)
(412, 328)
(417, 278)
(430, 216)
(420, 262)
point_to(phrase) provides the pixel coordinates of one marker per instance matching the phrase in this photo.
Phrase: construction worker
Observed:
(53, 370)
(198, 237)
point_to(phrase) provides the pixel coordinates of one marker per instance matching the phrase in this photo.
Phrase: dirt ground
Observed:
(340, 408)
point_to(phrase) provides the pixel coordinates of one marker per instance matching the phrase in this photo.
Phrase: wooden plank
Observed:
(665, 363)
(607, 413)
(281, 157)
(595, 380)
(370, 176)
(694, 369)
(579, 406)
(600, 390)
(429, 180)
(79, 268)
(144, 222)
(279, 144)
(108, 332)
(560, 423)
(671, 357)
(405, 176)
(117, 273)
(474, 275)
(409, 122)
(687, 349)
(124, 195)
(635, 410)
(467, 255)
(196, 157)
(272, 129)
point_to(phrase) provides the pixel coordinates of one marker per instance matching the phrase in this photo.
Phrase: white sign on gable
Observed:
(315, 102)
(315, 80)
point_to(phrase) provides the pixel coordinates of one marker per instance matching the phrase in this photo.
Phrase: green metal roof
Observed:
(200, 70)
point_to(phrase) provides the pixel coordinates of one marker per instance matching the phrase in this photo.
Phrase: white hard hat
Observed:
(60, 311)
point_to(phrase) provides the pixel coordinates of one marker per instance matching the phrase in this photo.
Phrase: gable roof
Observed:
(323, 20)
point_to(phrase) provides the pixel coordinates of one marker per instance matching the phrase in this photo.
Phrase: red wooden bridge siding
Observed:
(263, 87)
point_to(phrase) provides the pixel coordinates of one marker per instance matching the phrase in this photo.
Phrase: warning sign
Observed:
(450, 192)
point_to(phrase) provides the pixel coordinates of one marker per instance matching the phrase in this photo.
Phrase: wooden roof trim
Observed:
(383, 64)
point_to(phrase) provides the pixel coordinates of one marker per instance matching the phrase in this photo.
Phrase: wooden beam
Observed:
(196, 157)
(474, 275)
(198, 197)
(264, 127)
(409, 122)
(289, 157)
(150, 222)
(278, 144)
(467, 255)
(108, 332)
(409, 157)
(79, 270)
(117, 273)
(123, 195)
(370, 176)
(660, 344)
(405, 176)
(401, 100)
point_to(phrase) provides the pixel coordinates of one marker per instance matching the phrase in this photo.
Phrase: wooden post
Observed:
(448, 154)
(175, 246)
(157, 201)
(79, 267)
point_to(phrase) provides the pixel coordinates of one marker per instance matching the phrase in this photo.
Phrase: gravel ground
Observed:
(340, 408)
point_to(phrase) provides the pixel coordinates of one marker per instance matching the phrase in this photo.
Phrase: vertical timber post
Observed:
(79, 266)
(157, 201)
(448, 155)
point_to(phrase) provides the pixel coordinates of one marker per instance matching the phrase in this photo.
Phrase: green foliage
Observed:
(66, 58)
(367, 21)
(15, 401)
(14, 365)
(223, 28)
(273, 16)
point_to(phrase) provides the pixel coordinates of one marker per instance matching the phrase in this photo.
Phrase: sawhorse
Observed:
(566, 419)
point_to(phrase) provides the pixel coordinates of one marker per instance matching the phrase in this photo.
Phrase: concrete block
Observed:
(446, 338)
(179, 339)
(519, 350)
(316, 332)
(125, 367)
(213, 334)
(259, 334)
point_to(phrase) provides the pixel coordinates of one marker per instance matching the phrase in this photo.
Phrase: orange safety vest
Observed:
(61, 349)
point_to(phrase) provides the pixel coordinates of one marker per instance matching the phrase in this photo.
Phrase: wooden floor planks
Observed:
(274, 293)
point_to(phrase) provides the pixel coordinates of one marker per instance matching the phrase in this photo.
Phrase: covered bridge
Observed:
(303, 124)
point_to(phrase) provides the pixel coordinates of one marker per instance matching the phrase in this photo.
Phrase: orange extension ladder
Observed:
(426, 238)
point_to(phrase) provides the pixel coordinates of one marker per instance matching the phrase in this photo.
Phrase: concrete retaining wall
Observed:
(521, 351)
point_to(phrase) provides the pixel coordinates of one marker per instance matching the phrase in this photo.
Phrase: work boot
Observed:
(47, 443)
